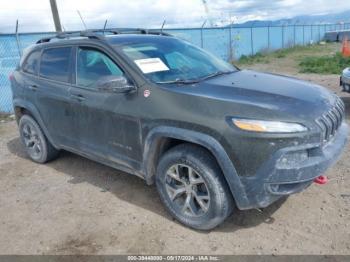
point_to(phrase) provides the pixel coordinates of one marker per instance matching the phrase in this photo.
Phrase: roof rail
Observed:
(131, 31)
(65, 35)
(99, 34)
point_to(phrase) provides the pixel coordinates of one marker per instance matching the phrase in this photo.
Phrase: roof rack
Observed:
(99, 34)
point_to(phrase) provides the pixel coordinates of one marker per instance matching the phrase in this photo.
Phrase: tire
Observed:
(202, 202)
(346, 88)
(37, 146)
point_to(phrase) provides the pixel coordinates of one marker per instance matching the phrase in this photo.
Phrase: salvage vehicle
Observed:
(345, 80)
(210, 136)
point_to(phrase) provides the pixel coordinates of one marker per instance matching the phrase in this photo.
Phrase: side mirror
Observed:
(115, 84)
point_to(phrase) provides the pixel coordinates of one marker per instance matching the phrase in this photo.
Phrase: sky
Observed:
(35, 15)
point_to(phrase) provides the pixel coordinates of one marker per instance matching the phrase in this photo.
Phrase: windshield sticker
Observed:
(151, 65)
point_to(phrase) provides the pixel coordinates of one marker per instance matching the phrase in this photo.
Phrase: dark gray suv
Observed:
(210, 136)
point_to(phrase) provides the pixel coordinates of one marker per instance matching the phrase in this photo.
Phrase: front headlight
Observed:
(346, 72)
(268, 126)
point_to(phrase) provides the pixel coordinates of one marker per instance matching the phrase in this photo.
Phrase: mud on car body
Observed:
(210, 136)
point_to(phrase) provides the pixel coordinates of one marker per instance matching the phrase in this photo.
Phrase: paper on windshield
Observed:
(151, 65)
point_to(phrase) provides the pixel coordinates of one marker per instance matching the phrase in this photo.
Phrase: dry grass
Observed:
(288, 60)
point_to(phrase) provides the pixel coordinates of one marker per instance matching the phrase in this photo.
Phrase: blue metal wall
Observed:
(227, 43)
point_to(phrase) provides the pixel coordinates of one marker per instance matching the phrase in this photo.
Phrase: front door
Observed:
(105, 123)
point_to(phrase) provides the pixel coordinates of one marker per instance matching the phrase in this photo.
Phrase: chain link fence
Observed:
(229, 43)
(9, 59)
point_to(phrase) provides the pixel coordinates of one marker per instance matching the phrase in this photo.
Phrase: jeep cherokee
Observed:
(209, 135)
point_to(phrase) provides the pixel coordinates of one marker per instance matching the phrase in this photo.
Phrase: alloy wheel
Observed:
(32, 141)
(187, 190)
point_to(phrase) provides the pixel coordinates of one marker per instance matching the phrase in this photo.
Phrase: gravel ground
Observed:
(75, 206)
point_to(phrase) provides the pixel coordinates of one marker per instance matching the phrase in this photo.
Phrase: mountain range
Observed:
(343, 17)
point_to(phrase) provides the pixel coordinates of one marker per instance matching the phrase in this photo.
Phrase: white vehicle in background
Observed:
(345, 80)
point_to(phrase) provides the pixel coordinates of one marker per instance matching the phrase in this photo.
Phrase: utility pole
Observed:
(230, 38)
(17, 40)
(56, 17)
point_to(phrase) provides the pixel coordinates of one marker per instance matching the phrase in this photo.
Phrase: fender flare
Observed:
(204, 140)
(35, 113)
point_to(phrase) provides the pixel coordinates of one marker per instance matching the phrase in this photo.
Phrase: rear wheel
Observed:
(38, 148)
(191, 186)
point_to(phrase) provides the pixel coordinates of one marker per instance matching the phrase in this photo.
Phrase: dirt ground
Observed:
(76, 206)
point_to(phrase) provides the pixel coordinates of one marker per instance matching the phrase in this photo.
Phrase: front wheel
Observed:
(191, 186)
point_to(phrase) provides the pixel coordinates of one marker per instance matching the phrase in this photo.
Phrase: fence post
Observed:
(312, 37)
(294, 36)
(251, 39)
(319, 33)
(268, 37)
(202, 43)
(303, 34)
(282, 36)
(230, 39)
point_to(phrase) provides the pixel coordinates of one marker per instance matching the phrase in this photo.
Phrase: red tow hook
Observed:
(321, 180)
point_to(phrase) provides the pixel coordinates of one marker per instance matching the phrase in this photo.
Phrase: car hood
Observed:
(285, 95)
(272, 85)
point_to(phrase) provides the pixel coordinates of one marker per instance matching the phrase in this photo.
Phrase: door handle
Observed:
(77, 97)
(33, 87)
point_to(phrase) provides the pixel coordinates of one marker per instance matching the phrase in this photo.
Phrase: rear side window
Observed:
(55, 64)
(31, 64)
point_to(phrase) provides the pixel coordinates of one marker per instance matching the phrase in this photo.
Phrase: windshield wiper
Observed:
(217, 73)
(193, 81)
(179, 81)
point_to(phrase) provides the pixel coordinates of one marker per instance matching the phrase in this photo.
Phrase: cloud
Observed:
(35, 15)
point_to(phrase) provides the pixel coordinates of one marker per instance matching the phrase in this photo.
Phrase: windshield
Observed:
(168, 60)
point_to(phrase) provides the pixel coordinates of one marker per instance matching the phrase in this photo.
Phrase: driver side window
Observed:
(93, 65)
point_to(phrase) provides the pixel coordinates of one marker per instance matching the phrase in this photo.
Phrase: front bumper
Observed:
(291, 170)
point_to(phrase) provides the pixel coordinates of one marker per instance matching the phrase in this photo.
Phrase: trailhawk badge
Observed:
(146, 93)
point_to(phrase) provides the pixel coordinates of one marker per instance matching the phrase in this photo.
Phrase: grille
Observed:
(330, 121)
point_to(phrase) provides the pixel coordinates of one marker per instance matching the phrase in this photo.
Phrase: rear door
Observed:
(30, 69)
(52, 96)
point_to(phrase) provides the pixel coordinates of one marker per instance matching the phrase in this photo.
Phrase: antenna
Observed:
(207, 12)
(161, 30)
(82, 20)
(104, 27)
